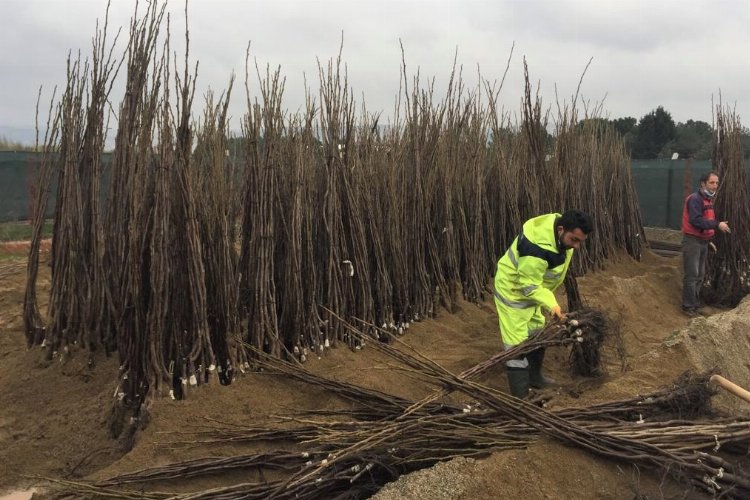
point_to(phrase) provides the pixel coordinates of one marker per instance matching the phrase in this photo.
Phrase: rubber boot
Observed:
(518, 381)
(536, 379)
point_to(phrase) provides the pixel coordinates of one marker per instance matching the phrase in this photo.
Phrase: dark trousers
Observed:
(694, 257)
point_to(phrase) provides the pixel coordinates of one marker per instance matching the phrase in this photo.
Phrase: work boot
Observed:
(690, 312)
(536, 379)
(518, 380)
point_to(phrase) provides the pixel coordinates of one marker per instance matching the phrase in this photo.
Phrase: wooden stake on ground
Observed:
(731, 387)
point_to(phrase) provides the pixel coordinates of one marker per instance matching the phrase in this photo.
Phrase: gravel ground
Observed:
(444, 481)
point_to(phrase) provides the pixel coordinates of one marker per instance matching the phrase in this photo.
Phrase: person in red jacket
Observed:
(698, 227)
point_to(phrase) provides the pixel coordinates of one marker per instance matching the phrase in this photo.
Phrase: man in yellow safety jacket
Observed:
(527, 275)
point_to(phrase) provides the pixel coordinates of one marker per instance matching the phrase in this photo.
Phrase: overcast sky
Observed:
(677, 54)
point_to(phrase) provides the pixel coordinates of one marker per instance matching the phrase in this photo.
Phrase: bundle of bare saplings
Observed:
(728, 273)
(281, 238)
(202, 241)
(327, 454)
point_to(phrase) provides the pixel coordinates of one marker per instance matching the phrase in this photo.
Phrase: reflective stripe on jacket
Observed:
(533, 267)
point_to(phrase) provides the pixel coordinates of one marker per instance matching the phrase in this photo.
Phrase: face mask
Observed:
(708, 193)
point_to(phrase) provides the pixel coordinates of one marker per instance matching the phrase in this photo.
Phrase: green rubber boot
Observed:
(536, 379)
(518, 381)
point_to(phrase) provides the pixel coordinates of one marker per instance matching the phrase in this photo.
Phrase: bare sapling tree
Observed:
(34, 325)
(728, 270)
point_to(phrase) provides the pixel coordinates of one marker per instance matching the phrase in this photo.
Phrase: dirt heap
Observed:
(53, 416)
(720, 342)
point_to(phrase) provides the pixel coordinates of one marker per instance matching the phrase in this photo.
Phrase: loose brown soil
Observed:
(53, 415)
(19, 249)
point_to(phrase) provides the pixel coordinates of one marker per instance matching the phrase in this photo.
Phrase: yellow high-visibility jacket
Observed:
(533, 267)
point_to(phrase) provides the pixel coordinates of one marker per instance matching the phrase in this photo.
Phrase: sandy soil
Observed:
(53, 415)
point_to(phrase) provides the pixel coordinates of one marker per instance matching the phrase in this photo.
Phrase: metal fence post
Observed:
(669, 195)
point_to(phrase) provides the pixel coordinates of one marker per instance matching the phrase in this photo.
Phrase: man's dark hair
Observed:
(707, 175)
(575, 219)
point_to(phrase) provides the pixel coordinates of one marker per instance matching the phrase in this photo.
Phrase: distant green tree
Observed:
(693, 139)
(746, 141)
(624, 125)
(655, 130)
(627, 128)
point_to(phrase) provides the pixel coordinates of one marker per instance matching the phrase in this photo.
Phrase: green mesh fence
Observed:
(14, 185)
(660, 184)
(18, 172)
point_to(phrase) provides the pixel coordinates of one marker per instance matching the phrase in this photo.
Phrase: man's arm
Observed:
(531, 276)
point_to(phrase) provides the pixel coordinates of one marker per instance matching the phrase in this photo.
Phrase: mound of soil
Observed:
(53, 414)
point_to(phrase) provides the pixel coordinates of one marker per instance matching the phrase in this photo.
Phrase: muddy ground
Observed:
(53, 415)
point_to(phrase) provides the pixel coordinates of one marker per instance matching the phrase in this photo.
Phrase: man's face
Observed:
(571, 239)
(712, 184)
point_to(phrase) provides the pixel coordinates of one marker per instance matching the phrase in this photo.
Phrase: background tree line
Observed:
(656, 135)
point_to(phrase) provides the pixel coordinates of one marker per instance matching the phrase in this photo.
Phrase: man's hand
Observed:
(712, 246)
(556, 312)
(724, 227)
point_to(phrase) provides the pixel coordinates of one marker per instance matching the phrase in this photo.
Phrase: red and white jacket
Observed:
(698, 217)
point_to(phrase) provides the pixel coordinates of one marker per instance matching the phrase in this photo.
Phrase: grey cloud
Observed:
(645, 53)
